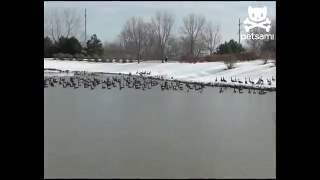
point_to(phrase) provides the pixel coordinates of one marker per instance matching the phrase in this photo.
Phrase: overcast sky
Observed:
(105, 19)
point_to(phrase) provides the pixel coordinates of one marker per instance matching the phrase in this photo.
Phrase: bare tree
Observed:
(72, 22)
(61, 23)
(212, 36)
(149, 39)
(132, 35)
(255, 44)
(193, 27)
(163, 23)
(199, 45)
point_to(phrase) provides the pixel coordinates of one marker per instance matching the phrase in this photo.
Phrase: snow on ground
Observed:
(199, 72)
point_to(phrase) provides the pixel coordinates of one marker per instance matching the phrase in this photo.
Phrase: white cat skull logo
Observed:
(257, 18)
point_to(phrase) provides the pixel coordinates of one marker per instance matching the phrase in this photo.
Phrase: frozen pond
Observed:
(131, 133)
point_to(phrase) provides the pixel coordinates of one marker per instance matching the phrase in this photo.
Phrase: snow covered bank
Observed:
(199, 72)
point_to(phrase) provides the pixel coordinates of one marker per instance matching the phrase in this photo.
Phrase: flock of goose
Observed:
(259, 82)
(94, 80)
(97, 80)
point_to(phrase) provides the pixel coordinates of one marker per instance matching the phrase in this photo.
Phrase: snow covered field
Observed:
(199, 72)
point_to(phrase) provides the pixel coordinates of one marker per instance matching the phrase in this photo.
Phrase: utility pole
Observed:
(85, 25)
(239, 31)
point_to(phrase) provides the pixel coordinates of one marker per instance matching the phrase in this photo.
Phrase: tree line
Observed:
(139, 39)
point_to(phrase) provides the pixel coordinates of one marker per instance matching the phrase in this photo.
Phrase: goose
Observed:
(234, 90)
(262, 92)
(224, 80)
(220, 90)
(162, 87)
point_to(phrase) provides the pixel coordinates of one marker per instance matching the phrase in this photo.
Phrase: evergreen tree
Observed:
(231, 47)
(94, 46)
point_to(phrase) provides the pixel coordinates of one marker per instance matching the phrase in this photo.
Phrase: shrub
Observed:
(89, 58)
(124, 60)
(68, 56)
(79, 57)
(55, 56)
(219, 57)
(60, 56)
(247, 56)
(225, 57)
(96, 57)
(230, 62)
(191, 59)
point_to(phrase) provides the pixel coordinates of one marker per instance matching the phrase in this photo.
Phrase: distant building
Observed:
(204, 52)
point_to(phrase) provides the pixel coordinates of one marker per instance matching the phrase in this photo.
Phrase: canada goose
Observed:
(262, 92)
